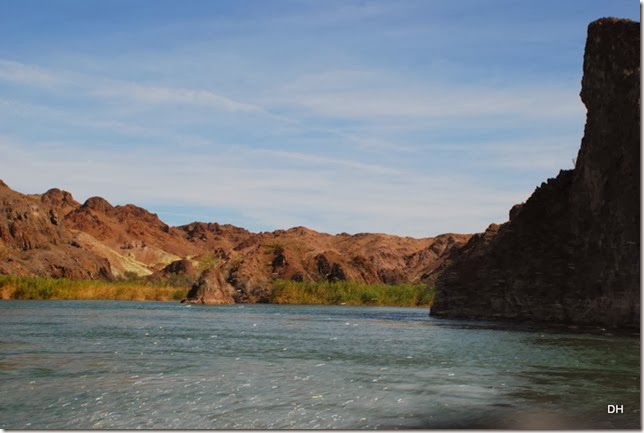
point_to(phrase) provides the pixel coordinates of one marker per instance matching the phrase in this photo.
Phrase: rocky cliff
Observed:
(571, 252)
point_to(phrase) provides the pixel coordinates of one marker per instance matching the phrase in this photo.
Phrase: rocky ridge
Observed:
(52, 234)
(571, 252)
(34, 239)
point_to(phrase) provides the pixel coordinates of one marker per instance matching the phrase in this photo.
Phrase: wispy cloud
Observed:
(412, 118)
(169, 95)
(541, 155)
(29, 75)
(102, 87)
(274, 187)
(340, 196)
(370, 94)
(95, 122)
(314, 160)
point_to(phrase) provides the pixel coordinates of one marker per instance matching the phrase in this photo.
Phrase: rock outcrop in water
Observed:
(211, 288)
(571, 253)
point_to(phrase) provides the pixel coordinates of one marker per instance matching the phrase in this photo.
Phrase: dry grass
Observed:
(13, 287)
(283, 291)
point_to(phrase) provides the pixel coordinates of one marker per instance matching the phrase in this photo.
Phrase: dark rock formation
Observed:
(328, 270)
(179, 267)
(571, 253)
(179, 270)
(279, 259)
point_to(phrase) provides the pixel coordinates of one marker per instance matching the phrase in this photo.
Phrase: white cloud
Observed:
(552, 154)
(373, 94)
(30, 75)
(170, 95)
(319, 160)
(88, 124)
(92, 85)
(325, 151)
(341, 197)
(403, 102)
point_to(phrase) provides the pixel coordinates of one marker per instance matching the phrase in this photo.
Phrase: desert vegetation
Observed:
(15, 287)
(283, 291)
(351, 293)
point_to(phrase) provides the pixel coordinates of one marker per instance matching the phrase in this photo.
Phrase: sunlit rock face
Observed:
(211, 288)
(53, 235)
(571, 252)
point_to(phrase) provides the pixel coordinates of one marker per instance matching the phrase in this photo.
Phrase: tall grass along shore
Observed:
(14, 287)
(351, 293)
(283, 291)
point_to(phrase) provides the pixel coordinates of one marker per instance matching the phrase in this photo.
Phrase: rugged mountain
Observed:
(144, 243)
(53, 234)
(248, 261)
(35, 241)
(571, 252)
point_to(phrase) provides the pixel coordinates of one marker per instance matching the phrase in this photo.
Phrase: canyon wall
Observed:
(571, 252)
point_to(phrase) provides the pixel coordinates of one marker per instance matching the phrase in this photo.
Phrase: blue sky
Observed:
(405, 117)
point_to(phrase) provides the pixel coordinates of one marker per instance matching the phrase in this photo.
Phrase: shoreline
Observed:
(283, 292)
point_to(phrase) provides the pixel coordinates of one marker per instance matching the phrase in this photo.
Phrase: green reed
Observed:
(351, 293)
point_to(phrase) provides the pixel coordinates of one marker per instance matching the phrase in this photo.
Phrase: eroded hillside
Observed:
(52, 234)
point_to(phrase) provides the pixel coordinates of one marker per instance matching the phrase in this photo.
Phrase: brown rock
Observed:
(98, 204)
(62, 202)
(211, 288)
(33, 240)
(139, 240)
(179, 267)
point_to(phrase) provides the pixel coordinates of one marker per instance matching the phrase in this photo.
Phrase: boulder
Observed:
(211, 288)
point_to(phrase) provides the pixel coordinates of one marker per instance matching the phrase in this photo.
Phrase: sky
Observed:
(409, 117)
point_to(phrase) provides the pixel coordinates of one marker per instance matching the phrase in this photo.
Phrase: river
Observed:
(130, 365)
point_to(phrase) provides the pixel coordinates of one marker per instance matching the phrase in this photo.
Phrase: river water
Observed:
(130, 365)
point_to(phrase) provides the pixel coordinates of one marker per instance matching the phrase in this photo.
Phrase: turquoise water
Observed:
(129, 365)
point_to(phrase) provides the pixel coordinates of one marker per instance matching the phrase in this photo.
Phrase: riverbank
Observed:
(42, 288)
(283, 291)
(347, 292)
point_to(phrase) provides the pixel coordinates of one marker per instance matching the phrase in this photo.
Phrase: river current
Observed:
(130, 365)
